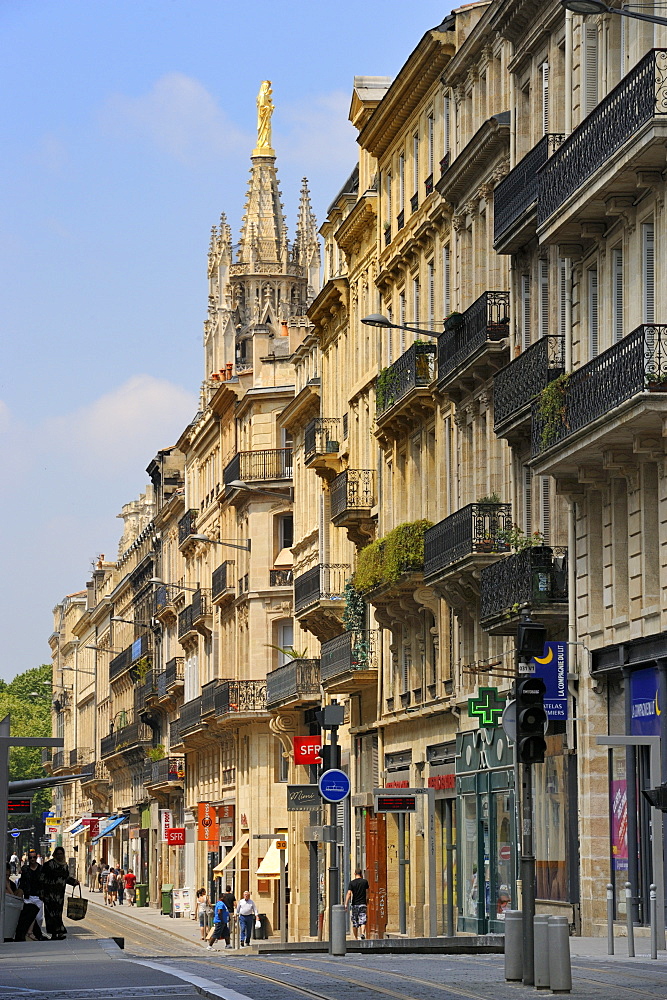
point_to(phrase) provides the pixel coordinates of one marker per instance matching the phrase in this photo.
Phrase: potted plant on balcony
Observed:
(453, 322)
(552, 409)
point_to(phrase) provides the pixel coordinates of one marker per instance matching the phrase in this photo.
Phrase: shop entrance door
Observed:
(376, 867)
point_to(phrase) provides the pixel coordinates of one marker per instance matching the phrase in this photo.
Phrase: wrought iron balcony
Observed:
(444, 163)
(281, 577)
(387, 236)
(168, 771)
(187, 525)
(639, 97)
(94, 772)
(515, 198)
(47, 753)
(222, 582)
(475, 337)
(58, 760)
(478, 528)
(140, 648)
(171, 677)
(208, 693)
(414, 369)
(517, 384)
(295, 682)
(80, 756)
(240, 698)
(201, 611)
(144, 691)
(352, 492)
(636, 364)
(400, 220)
(133, 736)
(428, 184)
(535, 578)
(414, 202)
(162, 599)
(175, 738)
(190, 716)
(350, 661)
(321, 583)
(321, 438)
(185, 626)
(259, 466)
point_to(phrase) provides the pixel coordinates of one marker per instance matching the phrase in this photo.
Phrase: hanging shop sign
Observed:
(207, 823)
(487, 707)
(226, 824)
(303, 797)
(483, 750)
(176, 836)
(552, 668)
(645, 709)
(166, 822)
(307, 749)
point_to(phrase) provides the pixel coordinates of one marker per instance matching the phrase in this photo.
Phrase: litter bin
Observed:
(261, 933)
(167, 907)
(13, 907)
(141, 898)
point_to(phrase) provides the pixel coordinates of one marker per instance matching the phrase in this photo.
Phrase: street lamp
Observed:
(103, 649)
(176, 586)
(127, 621)
(245, 547)
(239, 484)
(378, 320)
(584, 7)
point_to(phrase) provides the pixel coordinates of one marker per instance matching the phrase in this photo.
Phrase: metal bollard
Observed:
(338, 930)
(628, 919)
(513, 946)
(560, 969)
(653, 910)
(610, 919)
(541, 948)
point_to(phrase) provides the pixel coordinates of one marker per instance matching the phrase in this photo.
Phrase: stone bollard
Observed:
(513, 946)
(628, 920)
(653, 909)
(541, 948)
(338, 931)
(610, 919)
(560, 969)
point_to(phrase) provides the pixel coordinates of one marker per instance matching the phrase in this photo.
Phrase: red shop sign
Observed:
(307, 749)
(176, 836)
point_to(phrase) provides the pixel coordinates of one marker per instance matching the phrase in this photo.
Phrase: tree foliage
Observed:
(27, 700)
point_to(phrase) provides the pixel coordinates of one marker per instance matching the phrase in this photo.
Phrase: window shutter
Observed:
(446, 124)
(617, 292)
(445, 280)
(375, 760)
(544, 297)
(415, 161)
(545, 98)
(594, 346)
(401, 319)
(525, 309)
(527, 500)
(431, 130)
(648, 271)
(590, 83)
(545, 512)
(415, 300)
(431, 293)
(562, 295)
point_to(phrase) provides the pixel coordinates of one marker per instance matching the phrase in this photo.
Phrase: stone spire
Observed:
(307, 243)
(263, 229)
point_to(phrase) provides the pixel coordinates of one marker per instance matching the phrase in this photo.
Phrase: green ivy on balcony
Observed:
(385, 560)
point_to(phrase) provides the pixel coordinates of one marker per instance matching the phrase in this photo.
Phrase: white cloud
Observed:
(179, 116)
(318, 133)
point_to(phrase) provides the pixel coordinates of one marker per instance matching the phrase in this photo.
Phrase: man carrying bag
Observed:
(220, 928)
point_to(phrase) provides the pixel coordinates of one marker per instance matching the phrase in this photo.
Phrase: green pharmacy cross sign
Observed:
(487, 707)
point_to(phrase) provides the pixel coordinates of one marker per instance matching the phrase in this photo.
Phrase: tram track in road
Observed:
(140, 940)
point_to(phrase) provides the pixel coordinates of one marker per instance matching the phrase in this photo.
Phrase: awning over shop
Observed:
(270, 865)
(109, 829)
(231, 855)
(80, 830)
(74, 828)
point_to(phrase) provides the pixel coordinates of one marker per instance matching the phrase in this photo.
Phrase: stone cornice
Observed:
(360, 220)
(333, 296)
(306, 404)
(468, 54)
(474, 162)
(513, 18)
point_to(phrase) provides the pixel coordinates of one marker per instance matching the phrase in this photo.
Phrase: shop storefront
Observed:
(441, 778)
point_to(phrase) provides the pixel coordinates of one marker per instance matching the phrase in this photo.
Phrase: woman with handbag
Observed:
(204, 912)
(55, 876)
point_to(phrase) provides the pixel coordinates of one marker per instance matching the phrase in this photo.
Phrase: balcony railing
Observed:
(175, 733)
(415, 368)
(160, 772)
(271, 463)
(281, 577)
(349, 651)
(58, 760)
(222, 579)
(639, 97)
(187, 525)
(477, 528)
(297, 680)
(47, 754)
(531, 578)
(190, 715)
(185, 621)
(444, 163)
(135, 734)
(80, 756)
(161, 599)
(240, 697)
(633, 365)
(486, 319)
(414, 202)
(321, 583)
(321, 437)
(173, 674)
(208, 693)
(515, 385)
(120, 663)
(517, 192)
(428, 184)
(201, 605)
(95, 771)
(353, 489)
(400, 220)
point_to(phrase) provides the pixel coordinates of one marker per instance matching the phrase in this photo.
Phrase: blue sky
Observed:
(126, 129)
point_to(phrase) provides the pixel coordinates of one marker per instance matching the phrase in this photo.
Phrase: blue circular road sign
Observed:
(334, 785)
(15, 833)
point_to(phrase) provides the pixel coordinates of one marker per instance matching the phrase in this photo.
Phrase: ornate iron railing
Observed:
(238, 697)
(519, 190)
(185, 621)
(428, 184)
(174, 673)
(636, 363)
(159, 772)
(321, 437)
(349, 651)
(444, 163)
(415, 368)
(162, 598)
(640, 96)
(476, 528)
(400, 220)
(533, 577)
(486, 319)
(297, 679)
(281, 577)
(515, 385)
(187, 525)
(321, 583)
(271, 463)
(82, 755)
(201, 606)
(190, 715)
(414, 202)
(208, 696)
(387, 236)
(47, 754)
(135, 734)
(58, 760)
(120, 663)
(353, 489)
(175, 733)
(222, 578)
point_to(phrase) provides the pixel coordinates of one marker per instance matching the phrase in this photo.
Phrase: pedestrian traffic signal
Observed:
(531, 720)
(330, 757)
(530, 638)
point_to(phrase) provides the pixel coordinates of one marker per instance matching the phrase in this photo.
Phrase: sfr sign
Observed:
(307, 749)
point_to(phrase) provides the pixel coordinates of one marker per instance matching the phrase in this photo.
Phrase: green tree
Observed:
(27, 700)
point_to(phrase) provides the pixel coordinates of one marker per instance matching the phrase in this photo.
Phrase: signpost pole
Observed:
(283, 897)
(334, 878)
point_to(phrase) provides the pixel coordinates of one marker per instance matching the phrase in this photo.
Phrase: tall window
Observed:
(415, 299)
(617, 292)
(285, 642)
(562, 295)
(431, 293)
(590, 68)
(525, 310)
(415, 161)
(401, 182)
(545, 98)
(545, 508)
(648, 272)
(446, 276)
(430, 126)
(543, 303)
(593, 341)
(527, 500)
(389, 201)
(446, 125)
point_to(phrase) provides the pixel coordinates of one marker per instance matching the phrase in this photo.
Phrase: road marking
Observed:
(214, 989)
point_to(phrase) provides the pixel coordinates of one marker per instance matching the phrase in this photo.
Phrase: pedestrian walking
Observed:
(55, 876)
(229, 899)
(120, 885)
(247, 913)
(93, 872)
(203, 912)
(112, 887)
(355, 901)
(104, 878)
(14, 863)
(31, 885)
(220, 929)
(130, 880)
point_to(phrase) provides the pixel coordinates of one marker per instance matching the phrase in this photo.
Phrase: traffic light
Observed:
(531, 720)
(330, 760)
(530, 638)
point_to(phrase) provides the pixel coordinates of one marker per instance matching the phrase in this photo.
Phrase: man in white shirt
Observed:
(246, 912)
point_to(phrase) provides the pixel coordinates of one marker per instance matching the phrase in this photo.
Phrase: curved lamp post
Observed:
(584, 7)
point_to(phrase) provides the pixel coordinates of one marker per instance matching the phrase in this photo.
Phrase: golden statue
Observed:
(265, 109)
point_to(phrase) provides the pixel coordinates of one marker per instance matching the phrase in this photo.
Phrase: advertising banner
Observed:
(176, 836)
(619, 825)
(226, 824)
(552, 668)
(307, 749)
(644, 699)
(166, 822)
(303, 797)
(207, 823)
